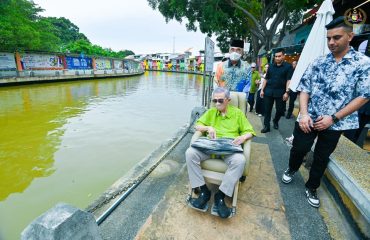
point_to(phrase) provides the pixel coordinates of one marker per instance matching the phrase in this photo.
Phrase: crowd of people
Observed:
(331, 91)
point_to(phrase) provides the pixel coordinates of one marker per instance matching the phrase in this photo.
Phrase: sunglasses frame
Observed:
(218, 100)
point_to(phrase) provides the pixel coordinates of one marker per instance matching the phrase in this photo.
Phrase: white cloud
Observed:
(125, 24)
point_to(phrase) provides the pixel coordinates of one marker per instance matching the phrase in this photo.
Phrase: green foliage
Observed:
(228, 19)
(22, 28)
(85, 47)
(65, 30)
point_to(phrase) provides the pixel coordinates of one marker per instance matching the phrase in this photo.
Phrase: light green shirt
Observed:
(232, 125)
(255, 76)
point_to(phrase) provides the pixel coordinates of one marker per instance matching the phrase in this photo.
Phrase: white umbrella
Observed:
(316, 44)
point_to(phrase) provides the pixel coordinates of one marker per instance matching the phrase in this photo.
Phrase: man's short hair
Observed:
(338, 23)
(279, 50)
(222, 90)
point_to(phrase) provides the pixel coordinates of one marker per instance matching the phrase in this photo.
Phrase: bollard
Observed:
(62, 222)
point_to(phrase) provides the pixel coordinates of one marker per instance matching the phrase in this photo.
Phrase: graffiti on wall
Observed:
(118, 64)
(41, 62)
(7, 62)
(102, 63)
(78, 62)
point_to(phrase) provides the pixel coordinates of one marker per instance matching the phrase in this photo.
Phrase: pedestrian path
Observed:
(266, 208)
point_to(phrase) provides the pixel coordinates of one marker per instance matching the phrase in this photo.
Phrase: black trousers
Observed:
(251, 101)
(292, 98)
(327, 141)
(279, 105)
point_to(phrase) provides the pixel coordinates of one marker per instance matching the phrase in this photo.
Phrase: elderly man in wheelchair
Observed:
(226, 128)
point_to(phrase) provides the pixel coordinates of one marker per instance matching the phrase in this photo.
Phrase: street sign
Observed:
(209, 54)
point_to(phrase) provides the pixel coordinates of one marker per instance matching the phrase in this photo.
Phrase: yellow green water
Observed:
(68, 142)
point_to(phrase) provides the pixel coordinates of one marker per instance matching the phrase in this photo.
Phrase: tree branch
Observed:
(278, 18)
(257, 34)
(254, 20)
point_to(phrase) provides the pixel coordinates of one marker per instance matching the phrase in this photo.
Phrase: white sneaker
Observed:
(289, 139)
(312, 198)
(288, 176)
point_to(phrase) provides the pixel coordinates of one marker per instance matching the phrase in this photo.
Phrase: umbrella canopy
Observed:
(316, 44)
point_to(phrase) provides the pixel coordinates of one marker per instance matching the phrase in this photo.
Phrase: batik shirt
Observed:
(235, 78)
(331, 86)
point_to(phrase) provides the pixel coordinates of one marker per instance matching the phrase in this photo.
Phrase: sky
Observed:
(125, 24)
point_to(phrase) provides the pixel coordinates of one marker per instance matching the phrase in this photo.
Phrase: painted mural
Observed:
(40, 62)
(103, 63)
(78, 62)
(7, 62)
(118, 64)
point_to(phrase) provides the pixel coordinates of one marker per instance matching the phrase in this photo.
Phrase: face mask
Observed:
(234, 56)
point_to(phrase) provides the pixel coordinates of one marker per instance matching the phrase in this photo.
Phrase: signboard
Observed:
(40, 62)
(102, 64)
(209, 54)
(7, 62)
(78, 63)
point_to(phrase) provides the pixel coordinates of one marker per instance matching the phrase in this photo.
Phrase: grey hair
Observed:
(221, 90)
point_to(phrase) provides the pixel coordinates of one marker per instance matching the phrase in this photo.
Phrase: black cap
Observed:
(237, 43)
(336, 23)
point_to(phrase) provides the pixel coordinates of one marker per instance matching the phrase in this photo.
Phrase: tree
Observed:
(85, 47)
(20, 28)
(65, 30)
(258, 19)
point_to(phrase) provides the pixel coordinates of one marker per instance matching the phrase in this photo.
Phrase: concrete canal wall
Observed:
(32, 67)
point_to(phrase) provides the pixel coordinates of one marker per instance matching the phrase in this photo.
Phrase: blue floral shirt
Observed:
(235, 78)
(333, 85)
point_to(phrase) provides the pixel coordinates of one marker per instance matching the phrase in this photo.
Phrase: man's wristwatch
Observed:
(287, 91)
(335, 119)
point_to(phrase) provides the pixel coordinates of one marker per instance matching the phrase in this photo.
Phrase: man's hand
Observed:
(285, 96)
(323, 122)
(241, 139)
(262, 94)
(211, 132)
(305, 123)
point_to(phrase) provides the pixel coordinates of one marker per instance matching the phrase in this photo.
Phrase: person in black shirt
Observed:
(276, 89)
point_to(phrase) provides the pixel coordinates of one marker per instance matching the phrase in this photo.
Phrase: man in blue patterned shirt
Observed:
(332, 89)
(234, 74)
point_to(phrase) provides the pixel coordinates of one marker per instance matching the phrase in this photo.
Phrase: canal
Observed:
(68, 142)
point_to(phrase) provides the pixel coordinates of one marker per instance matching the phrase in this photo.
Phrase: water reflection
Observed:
(70, 141)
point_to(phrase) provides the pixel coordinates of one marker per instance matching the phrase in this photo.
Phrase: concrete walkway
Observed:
(266, 209)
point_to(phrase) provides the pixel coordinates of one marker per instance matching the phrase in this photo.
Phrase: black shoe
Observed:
(312, 198)
(276, 125)
(288, 176)
(288, 116)
(200, 203)
(222, 210)
(265, 130)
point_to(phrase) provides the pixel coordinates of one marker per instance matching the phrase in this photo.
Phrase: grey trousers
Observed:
(236, 163)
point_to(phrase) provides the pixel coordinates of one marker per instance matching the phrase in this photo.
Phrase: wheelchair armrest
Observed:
(247, 153)
(247, 149)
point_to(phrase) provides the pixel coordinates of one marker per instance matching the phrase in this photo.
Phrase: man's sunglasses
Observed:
(221, 100)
